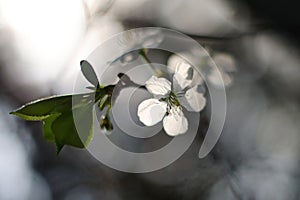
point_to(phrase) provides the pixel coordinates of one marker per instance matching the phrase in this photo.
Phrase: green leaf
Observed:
(47, 128)
(67, 126)
(43, 108)
(65, 117)
(89, 73)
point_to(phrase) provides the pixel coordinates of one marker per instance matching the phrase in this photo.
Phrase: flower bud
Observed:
(105, 124)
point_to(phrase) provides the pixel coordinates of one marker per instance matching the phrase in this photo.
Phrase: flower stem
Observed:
(157, 72)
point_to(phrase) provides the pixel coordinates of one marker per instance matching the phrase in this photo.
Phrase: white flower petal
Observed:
(152, 38)
(129, 57)
(151, 111)
(197, 79)
(215, 78)
(158, 86)
(227, 79)
(193, 100)
(173, 61)
(225, 61)
(184, 69)
(175, 123)
(179, 83)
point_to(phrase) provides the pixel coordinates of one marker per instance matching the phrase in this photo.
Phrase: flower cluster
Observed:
(170, 98)
(225, 63)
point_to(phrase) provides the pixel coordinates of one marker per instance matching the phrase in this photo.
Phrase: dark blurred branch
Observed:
(203, 39)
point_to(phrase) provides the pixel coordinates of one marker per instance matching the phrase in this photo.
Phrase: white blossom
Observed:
(133, 40)
(226, 66)
(223, 73)
(169, 99)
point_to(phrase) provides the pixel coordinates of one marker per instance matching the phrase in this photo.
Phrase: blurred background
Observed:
(256, 158)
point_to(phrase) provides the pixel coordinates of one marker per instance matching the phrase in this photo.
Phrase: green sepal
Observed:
(89, 73)
(103, 102)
